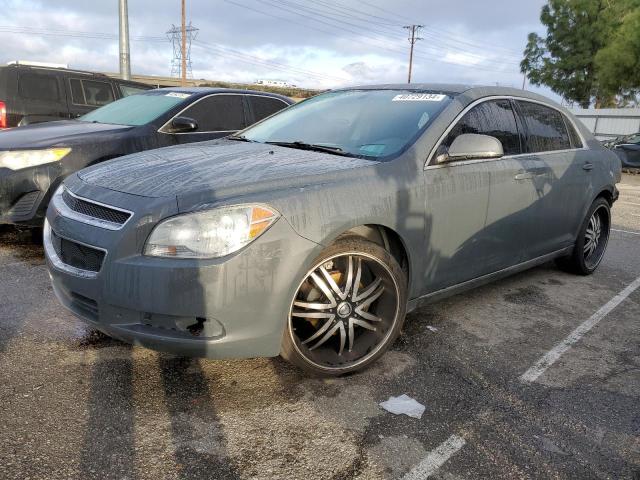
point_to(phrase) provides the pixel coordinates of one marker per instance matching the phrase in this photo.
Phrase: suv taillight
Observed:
(3, 115)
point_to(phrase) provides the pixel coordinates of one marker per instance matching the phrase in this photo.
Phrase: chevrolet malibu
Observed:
(313, 233)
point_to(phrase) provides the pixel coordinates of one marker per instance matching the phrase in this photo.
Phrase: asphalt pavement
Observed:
(535, 376)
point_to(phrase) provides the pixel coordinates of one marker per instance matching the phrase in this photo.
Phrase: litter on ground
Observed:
(404, 404)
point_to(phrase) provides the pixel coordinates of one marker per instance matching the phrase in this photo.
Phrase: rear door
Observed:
(41, 96)
(217, 115)
(86, 95)
(560, 171)
(511, 193)
(262, 106)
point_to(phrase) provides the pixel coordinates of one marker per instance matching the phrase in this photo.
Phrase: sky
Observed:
(315, 44)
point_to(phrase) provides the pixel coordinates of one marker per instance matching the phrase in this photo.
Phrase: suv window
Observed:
(90, 92)
(39, 87)
(546, 129)
(217, 113)
(494, 118)
(97, 93)
(263, 107)
(126, 90)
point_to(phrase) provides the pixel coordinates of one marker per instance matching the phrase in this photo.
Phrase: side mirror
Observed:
(469, 146)
(183, 125)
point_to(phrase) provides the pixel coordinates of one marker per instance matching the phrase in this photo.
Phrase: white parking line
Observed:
(555, 353)
(625, 231)
(436, 458)
(630, 203)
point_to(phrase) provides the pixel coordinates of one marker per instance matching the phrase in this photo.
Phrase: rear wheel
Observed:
(347, 311)
(592, 240)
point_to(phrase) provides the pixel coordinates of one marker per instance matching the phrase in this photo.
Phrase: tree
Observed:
(565, 59)
(618, 63)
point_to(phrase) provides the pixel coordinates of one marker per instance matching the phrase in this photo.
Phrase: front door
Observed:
(457, 197)
(475, 208)
(217, 116)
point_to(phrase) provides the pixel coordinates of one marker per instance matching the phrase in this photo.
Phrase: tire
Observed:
(586, 257)
(341, 321)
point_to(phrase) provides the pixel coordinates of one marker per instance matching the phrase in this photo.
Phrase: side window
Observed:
(545, 128)
(573, 135)
(77, 96)
(126, 90)
(264, 106)
(97, 93)
(38, 87)
(494, 118)
(218, 113)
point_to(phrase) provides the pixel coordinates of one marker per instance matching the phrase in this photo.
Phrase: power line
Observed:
(381, 38)
(247, 58)
(366, 33)
(221, 51)
(437, 31)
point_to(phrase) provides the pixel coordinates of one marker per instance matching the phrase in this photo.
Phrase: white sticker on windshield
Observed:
(178, 95)
(419, 97)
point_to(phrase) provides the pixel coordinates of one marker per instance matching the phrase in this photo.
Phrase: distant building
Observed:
(275, 83)
(607, 123)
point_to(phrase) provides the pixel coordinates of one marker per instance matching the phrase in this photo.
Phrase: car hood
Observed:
(60, 133)
(215, 166)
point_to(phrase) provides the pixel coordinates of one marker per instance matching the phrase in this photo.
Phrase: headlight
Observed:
(209, 233)
(19, 159)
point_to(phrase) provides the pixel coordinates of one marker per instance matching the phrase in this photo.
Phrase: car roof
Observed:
(201, 91)
(473, 92)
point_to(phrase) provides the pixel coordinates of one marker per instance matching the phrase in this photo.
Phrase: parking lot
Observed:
(76, 404)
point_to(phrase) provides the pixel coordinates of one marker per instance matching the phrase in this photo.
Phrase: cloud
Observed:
(314, 44)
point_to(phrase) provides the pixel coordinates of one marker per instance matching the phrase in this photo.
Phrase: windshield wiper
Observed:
(240, 138)
(312, 146)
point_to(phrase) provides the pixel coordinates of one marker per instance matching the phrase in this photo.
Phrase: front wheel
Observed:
(592, 240)
(348, 309)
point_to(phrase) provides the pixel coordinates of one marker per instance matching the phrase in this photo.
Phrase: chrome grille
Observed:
(95, 210)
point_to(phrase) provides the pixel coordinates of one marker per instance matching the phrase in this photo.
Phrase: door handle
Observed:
(587, 166)
(524, 176)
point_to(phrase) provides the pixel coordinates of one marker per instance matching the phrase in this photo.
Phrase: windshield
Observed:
(136, 110)
(360, 123)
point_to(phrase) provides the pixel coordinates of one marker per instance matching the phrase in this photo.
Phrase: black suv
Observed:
(33, 94)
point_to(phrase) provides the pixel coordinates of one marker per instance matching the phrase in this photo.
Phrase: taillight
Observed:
(3, 115)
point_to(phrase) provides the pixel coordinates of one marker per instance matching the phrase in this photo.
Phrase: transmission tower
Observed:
(175, 35)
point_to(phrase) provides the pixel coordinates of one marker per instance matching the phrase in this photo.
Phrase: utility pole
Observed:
(183, 81)
(125, 57)
(524, 80)
(414, 29)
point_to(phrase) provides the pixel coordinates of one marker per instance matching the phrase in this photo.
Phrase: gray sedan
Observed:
(312, 233)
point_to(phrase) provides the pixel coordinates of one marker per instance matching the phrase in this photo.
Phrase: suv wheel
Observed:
(348, 309)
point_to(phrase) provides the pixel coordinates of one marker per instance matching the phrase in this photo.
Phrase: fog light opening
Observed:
(197, 328)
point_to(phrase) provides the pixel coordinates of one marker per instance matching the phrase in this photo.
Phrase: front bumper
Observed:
(235, 306)
(24, 194)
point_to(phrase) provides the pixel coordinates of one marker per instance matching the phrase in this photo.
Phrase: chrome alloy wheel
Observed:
(596, 237)
(344, 311)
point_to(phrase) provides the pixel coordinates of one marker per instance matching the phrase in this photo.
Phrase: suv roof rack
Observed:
(35, 65)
